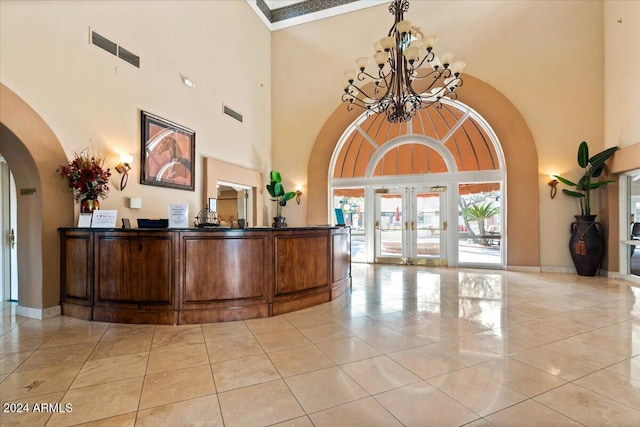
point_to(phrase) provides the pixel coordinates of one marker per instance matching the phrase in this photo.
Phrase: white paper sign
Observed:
(178, 215)
(84, 221)
(103, 218)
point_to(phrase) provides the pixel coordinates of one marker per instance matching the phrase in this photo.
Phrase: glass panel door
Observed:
(428, 226)
(390, 223)
(410, 226)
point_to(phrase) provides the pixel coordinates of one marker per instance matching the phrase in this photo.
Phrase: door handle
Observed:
(12, 238)
(377, 225)
(413, 226)
(444, 225)
(406, 225)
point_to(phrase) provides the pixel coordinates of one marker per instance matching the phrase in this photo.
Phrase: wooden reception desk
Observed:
(182, 276)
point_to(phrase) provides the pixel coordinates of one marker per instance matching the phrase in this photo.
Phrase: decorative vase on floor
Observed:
(89, 205)
(586, 244)
(279, 222)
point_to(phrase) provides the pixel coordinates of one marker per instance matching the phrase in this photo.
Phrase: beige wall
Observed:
(33, 152)
(622, 68)
(622, 105)
(545, 57)
(89, 97)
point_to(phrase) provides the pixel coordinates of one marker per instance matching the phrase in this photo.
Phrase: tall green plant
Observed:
(593, 168)
(276, 191)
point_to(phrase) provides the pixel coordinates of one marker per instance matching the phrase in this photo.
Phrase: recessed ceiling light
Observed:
(188, 82)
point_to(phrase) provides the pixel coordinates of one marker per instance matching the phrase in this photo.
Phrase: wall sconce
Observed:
(298, 194)
(123, 167)
(553, 184)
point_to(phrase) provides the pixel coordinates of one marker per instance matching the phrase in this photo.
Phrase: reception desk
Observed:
(182, 276)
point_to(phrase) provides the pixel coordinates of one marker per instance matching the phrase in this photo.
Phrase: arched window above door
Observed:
(456, 127)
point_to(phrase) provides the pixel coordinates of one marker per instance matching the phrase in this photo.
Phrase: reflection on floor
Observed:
(409, 346)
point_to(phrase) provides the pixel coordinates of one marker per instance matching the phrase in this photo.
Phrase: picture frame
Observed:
(167, 153)
(213, 204)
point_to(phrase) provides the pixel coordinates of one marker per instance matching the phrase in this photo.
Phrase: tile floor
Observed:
(409, 346)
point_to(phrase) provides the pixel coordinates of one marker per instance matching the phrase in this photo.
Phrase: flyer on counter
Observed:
(84, 221)
(178, 215)
(104, 218)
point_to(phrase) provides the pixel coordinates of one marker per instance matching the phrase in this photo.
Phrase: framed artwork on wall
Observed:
(167, 153)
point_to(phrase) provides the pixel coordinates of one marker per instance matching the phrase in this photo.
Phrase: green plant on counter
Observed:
(276, 191)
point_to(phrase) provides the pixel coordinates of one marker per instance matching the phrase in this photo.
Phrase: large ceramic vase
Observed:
(89, 205)
(586, 244)
(279, 222)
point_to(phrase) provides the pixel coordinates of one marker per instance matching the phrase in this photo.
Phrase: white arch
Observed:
(411, 139)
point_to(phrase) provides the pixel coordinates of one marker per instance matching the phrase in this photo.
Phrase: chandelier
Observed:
(409, 76)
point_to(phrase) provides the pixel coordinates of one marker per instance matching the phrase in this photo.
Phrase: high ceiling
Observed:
(278, 14)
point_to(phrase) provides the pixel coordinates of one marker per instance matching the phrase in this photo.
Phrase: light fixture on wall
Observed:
(401, 85)
(298, 194)
(124, 167)
(553, 184)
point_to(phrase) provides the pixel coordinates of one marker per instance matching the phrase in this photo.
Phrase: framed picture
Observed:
(167, 153)
(213, 204)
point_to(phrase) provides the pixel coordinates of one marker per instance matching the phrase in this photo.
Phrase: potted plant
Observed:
(276, 191)
(587, 243)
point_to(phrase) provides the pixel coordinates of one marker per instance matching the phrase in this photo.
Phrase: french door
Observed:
(411, 225)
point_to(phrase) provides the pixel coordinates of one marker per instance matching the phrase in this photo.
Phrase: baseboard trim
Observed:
(567, 270)
(626, 277)
(523, 268)
(38, 313)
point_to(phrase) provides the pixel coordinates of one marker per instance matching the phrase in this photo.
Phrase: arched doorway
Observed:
(521, 246)
(431, 189)
(33, 153)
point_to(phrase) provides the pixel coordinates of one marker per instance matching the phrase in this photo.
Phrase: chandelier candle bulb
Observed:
(388, 43)
(411, 54)
(446, 59)
(429, 42)
(350, 75)
(457, 67)
(409, 77)
(403, 26)
(362, 62)
(381, 58)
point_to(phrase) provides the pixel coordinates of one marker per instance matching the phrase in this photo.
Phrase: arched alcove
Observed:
(33, 153)
(520, 157)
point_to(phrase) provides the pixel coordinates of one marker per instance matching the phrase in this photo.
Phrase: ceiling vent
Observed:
(113, 48)
(232, 113)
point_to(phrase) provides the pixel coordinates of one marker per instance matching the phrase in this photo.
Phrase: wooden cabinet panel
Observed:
(341, 256)
(77, 268)
(219, 268)
(302, 262)
(134, 268)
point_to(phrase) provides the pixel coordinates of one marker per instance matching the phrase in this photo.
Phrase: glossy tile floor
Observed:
(409, 346)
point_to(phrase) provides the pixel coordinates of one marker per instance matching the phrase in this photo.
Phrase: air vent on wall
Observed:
(231, 113)
(131, 58)
(104, 43)
(113, 48)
